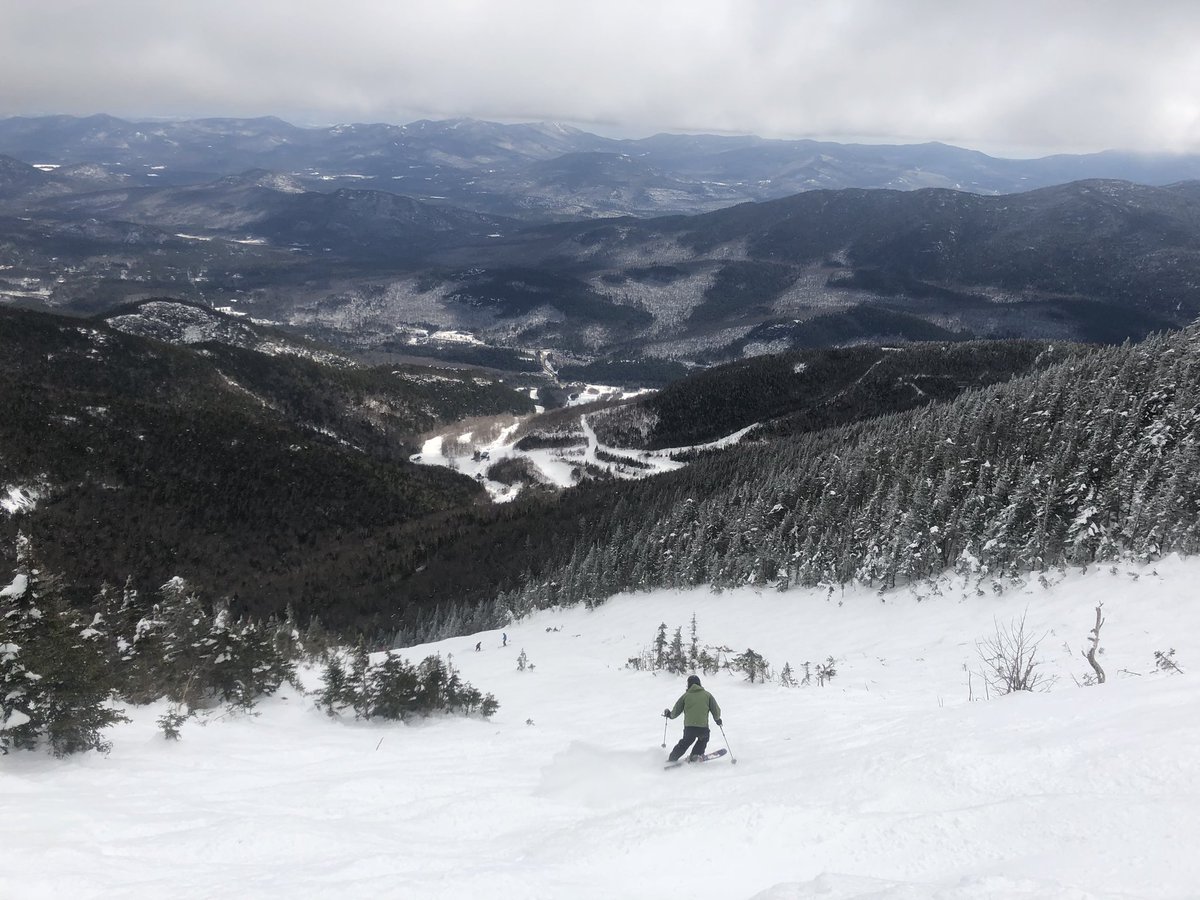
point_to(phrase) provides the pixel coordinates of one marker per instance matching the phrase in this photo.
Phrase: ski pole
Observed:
(732, 758)
(664, 731)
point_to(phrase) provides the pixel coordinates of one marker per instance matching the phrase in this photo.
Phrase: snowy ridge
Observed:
(885, 784)
(183, 323)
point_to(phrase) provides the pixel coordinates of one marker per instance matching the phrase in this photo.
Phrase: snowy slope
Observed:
(557, 466)
(887, 783)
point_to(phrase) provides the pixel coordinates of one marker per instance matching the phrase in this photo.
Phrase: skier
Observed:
(695, 704)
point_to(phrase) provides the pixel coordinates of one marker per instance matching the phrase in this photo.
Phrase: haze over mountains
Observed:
(540, 171)
(375, 236)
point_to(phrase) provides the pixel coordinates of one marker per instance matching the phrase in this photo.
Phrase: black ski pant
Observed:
(691, 733)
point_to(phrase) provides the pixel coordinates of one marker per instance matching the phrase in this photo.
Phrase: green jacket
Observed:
(695, 704)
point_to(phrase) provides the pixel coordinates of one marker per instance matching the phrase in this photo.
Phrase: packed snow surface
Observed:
(886, 783)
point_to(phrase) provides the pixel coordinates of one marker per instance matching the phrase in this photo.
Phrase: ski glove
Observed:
(666, 714)
(718, 721)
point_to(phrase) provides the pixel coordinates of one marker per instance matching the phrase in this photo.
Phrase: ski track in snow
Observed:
(884, 784)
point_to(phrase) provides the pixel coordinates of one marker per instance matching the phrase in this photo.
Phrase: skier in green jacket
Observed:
(695, 704)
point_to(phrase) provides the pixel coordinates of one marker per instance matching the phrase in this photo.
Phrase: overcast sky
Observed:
(1017, 77)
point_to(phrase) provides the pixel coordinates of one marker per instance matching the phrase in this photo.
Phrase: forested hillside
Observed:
(282, 482)
(801, 391)
(1093, 459)
(248, 474)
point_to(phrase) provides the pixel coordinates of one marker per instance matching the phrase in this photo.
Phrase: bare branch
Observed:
(1094, 638)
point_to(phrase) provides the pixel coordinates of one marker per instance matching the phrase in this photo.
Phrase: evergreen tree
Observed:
(660, 647)
(787, 678)
(335, 690)
(197, 657)
(55, 676)
(676, 657)
(752, 664)
(392, 689)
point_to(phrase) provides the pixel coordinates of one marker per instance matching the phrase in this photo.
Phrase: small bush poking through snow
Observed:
(1165, 662)
(1010, 659)
(395, 689)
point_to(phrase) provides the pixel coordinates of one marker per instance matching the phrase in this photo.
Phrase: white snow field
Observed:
(556, 464)
(887, 783)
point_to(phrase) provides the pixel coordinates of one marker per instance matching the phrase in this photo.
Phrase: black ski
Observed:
(705, 758)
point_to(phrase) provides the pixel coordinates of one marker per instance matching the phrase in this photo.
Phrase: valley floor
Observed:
(886, 783)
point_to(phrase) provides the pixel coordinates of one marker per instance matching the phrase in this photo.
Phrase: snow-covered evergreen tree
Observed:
(56, 685)
(755, 667)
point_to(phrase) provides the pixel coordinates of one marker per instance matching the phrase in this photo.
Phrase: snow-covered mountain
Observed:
(543, 171)
(898, 779)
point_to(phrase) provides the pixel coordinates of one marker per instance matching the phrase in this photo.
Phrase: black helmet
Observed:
(693, 679)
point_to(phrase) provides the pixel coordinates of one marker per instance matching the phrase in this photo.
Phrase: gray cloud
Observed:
(1022, 76)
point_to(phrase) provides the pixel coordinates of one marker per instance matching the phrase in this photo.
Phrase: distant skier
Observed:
(695, 704)
(479, 646)
(504, 638)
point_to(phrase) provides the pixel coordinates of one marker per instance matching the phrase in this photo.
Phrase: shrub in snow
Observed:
(1010, 660)
(753, 665)
(396, 689)
(672, 656)
(171, 723)
(1165, 662)
(787, 677)
(825, 671)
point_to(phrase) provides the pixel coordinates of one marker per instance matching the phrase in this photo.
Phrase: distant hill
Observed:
(1092, 261)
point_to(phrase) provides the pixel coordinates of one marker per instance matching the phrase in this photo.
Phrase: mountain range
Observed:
(376, 270)
(545, 170)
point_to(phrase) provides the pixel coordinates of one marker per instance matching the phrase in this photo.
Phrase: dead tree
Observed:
(1094, 637)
